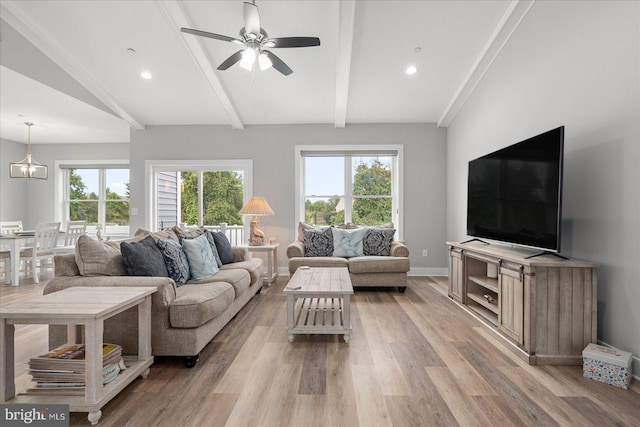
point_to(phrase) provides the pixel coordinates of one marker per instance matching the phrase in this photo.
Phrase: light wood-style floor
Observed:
(415, 359)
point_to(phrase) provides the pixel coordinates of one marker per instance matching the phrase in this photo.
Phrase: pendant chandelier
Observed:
(27, 167)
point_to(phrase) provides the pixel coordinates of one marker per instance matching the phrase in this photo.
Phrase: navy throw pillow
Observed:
(224, 247)
(143, 258)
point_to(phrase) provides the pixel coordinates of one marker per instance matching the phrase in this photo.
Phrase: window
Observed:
(195, 198)
(359, 186)
(98, 195)
(199, 193)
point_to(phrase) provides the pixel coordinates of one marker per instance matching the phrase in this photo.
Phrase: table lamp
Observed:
(256, 206)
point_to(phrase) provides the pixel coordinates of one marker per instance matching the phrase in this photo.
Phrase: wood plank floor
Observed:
(415, 359)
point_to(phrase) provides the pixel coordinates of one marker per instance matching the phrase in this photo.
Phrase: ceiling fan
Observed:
(256, 42)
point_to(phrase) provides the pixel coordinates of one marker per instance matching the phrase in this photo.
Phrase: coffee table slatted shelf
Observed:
(318, 302)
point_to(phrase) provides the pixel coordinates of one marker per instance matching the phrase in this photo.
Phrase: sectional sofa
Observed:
(185, 316)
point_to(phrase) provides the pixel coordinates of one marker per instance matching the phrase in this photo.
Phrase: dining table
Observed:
(15, 242)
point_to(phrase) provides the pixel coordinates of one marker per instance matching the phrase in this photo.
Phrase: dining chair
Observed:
(45, 239)
(75, 229)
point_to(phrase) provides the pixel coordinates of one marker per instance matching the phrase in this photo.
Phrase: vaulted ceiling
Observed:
(97, 49)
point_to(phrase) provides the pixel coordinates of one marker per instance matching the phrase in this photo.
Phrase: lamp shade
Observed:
(257, 206)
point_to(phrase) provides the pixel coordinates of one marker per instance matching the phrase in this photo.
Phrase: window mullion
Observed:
(200, 198)
(348, 190)
(102, 196)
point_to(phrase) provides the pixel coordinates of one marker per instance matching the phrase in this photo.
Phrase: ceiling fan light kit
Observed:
(256, 42)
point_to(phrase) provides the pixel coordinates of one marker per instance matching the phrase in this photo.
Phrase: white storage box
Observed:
(607, 364)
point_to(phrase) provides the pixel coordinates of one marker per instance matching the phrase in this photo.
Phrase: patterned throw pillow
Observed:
(202, 263)
(175, 260)
(348, 243)
(377, 241)
(318, 242)
(212, 243)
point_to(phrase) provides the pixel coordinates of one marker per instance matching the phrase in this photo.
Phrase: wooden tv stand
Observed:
(543, 307)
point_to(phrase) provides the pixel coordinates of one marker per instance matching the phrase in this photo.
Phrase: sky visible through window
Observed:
(117, 180)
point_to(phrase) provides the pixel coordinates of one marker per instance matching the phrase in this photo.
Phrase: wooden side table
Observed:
(88, 306)
(272, 261)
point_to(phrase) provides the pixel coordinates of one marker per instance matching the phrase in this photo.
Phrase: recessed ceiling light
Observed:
(411, 70)
(145, 75)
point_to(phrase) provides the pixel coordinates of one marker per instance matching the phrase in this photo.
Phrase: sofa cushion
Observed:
(143, 258)
(377, 241)
(252, 266)
(202, 263)
(239, 278)
(224, 247)
(175, 260)
(318, 242)
(99, 258)
(378, 264)
(327, 261)
(196, 304)
(348, 243)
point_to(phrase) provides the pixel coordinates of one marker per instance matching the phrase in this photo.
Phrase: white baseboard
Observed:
(635, 362)
(284, 271)
(428, 272)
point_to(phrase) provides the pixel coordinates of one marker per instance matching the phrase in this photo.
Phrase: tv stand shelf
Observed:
(543, 307)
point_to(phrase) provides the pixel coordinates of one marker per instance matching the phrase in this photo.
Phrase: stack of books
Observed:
(64, 367)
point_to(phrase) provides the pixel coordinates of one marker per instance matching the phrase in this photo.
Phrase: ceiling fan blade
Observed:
(278, 63)
(210, 35)
(251, 18)
(294, 42)
(231, 60)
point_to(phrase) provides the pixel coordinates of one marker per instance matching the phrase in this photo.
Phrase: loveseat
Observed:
(373, 258)
(186, 314)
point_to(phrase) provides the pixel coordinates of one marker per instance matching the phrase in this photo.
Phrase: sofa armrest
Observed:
(399, 249)
(295, 249)
(160, 300)
(240, 254)
(65, 265)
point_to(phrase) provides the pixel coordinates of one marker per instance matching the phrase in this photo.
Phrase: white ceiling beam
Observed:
(178, 18)
(41, 40)
(347, 13)
(504, 30)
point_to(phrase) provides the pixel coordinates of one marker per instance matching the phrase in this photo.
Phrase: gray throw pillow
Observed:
(143, 258)
(224, 247)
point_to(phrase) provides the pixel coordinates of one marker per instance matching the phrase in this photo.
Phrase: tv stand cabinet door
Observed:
(511, 318)
(456, 276)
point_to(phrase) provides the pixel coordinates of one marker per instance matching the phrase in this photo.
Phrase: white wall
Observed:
(575, 64)
(272, 150)
(13, 192)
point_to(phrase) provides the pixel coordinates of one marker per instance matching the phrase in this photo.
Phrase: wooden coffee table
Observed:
(318, 302)
(88, 306)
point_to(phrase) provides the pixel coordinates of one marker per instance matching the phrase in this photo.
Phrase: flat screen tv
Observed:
(515, 194)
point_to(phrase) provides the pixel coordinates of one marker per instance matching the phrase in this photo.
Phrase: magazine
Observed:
(64, 367)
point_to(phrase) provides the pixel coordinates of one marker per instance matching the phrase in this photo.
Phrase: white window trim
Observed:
(60, 182)
(398, 178)
(153, 166)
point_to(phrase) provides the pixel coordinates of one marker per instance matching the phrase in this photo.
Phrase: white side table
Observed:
(88, 306)
(272, 261)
